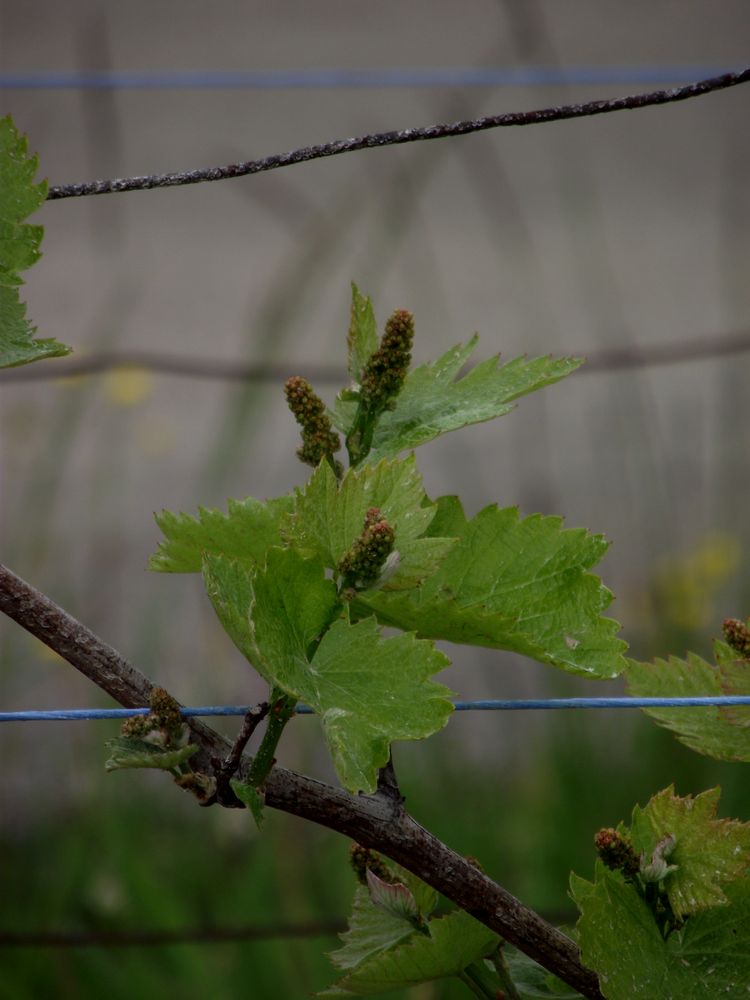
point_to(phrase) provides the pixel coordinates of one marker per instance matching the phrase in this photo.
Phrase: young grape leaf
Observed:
(393, 897)
(328, 516)
(707, 851)
(425, 895)
(454, 942)
(246, 532)
(292, 605)
(715, 945)
(362, 338)
(229, 585)
(723, 652)
(620, 940)
(367, 691)
(735, 680)
(521, 585)
(127, 752)
(533, 982)
(434, 401)
(252, 797)
(371, 930)
(708, 730)
(275, 614)
(449, 520)
(19, 249)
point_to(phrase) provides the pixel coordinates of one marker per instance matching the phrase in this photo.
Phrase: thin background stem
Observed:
(705, 347)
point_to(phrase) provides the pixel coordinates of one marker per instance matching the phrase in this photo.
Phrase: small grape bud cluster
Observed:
(319, 440)
(617, 852)
(737, 635)
(163, 725)
(387, 367)
(362, 860)
(362, 564)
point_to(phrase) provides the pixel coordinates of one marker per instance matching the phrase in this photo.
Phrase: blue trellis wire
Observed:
(518, 76)
(515, 704)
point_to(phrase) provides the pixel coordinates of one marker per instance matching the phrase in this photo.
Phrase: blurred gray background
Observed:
(621, 231)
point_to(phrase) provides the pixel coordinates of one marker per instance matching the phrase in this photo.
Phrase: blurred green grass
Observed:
(136, 855)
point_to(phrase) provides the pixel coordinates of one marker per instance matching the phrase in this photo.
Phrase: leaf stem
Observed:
(476, 990)
(479, 980)
(503, 974)
(282, 709)
(359, 438)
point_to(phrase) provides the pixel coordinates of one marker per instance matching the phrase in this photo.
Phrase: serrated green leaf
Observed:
(127, 752)
(245, 533)
(362, 338)
(449, 520)
(370, 930)
(707, 851)
(723, 652)
(272, 615)
(707, 730)
(621, 942)
(708, 957)
(19, 249)
(735, 680)
(434, 401)
(521, 585)
(369, 692)
(715, 946)
(455, 941)
(229, 585)
(329, 515)
(293, 603)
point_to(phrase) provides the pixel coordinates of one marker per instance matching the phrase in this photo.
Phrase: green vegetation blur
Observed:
(144, 859)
